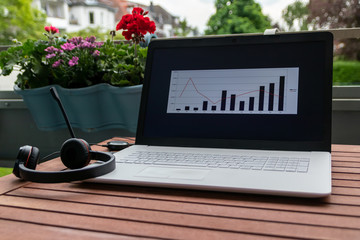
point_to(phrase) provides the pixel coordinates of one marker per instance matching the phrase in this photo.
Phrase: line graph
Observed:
(234, 91)
(192, 82)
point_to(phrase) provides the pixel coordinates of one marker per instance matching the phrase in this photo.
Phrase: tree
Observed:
(335, 13)
(18, 19)
(237, 16)
(296, 12)
(338, 14)
(183, 28)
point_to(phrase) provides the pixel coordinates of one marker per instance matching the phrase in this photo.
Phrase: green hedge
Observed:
(346, 72)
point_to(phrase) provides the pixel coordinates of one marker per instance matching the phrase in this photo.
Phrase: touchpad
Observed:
(174, 173)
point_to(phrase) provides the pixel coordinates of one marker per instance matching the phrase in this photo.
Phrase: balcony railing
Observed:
(16, 119)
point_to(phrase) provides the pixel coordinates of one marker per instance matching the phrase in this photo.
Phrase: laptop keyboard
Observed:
(271, 163)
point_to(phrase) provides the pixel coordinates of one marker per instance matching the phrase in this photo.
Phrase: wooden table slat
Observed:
(14, 229)
(345, 183)
(344, 164)
(346, 170)
(346, 159)
(345, 148)
(346, 176)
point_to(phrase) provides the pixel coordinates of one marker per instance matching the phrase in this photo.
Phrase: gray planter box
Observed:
(93, 108)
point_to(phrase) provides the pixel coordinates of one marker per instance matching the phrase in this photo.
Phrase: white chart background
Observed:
(190, 88)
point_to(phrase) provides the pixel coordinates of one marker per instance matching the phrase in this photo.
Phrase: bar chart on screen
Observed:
(234, 91)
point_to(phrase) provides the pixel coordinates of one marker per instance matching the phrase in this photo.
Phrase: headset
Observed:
(75, 154)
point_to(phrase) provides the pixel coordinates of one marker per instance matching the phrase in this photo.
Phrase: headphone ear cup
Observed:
(29, 156)
(75, 153)
(33, 159)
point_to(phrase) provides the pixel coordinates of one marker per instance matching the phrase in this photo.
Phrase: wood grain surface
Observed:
(99, 211)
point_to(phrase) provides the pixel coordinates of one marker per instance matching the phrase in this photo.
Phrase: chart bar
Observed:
(223, 100)
(251, 103)
(213, 108)
(281, 93)
(271, 97)
(205, 105)
(232, 102)
(196, 109)
(187, 108)
(261, 98)
(242, 106)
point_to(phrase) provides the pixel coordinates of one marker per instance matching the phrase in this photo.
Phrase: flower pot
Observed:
(93, 108)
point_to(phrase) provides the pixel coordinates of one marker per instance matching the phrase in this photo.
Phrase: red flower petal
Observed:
(54, 30)
(127, 35)
(137, 10)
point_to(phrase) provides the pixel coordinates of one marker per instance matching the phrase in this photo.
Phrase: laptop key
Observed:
(302, 169)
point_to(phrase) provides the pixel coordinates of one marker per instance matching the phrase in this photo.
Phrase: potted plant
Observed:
(99, 83)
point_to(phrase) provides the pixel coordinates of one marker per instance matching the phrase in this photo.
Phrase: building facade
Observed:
(75, 15)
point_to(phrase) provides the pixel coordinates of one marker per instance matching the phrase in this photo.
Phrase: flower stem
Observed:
(135, 50)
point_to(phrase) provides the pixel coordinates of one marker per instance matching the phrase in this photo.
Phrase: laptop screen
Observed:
(251, 92)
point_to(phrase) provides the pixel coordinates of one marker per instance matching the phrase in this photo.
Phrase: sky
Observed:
(198, 12)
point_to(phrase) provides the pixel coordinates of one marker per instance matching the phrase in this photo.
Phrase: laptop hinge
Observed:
(271, 31)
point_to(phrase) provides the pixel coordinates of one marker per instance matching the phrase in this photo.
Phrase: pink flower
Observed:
(86, 44)
(73, 61)
(96, 53)
(91, 39)
(51, 55)
(51, 49)
(68, 46)
(75, 40)
(57, 63)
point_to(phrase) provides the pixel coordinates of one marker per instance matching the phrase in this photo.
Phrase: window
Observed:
(55, 10)
(91, 18)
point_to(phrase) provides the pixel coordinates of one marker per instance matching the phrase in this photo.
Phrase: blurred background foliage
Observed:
(18, 20)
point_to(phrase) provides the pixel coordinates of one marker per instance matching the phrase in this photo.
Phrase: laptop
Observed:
(235, 113)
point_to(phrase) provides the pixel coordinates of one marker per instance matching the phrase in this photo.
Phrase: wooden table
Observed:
(96, 211)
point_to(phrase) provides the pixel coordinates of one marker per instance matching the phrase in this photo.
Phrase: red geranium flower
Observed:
(136, 25)
(51, 29)
(54, 30)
